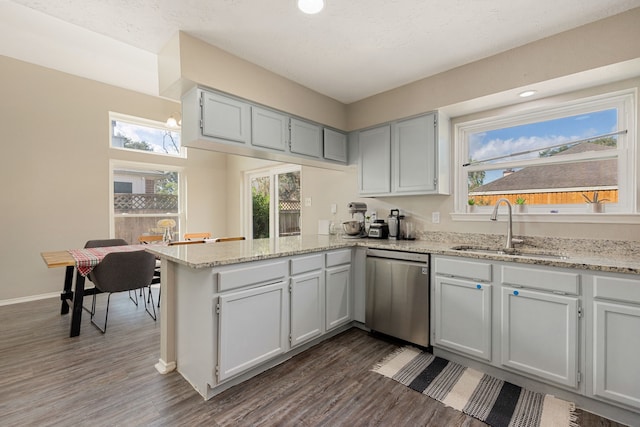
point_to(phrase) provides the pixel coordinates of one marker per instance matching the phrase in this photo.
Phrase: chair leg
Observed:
(159, 292)
(106, 314)
(135, 301)
(146, 307)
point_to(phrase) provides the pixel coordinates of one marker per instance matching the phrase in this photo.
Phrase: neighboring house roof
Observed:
(601, 173)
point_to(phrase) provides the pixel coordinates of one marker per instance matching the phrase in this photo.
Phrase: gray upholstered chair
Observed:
(105, 242)
(123, 271)
(101, 243)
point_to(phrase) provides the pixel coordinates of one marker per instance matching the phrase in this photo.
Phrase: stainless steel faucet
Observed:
(494, 216)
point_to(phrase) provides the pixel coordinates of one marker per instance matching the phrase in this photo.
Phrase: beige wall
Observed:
(55, 169)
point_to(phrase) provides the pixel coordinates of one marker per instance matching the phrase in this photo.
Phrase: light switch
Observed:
(307, 201)
(334, 208)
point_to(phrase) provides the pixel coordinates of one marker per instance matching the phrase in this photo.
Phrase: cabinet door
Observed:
(306, 138)
(375, 161)
(225, 118)
(617, 345)
(462, 316)
(253, 328)
(269, 129)
(414, 155)
(337, 296)
(540, 334)
(335, 146)
(307, 307)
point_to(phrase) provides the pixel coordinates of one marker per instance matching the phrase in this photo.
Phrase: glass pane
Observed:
(145, 138)
(141, 198)
(289, 204)
(260, 195)
(544, 139)
(547, 184)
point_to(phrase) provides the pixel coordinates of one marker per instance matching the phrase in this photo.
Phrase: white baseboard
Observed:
(29, 298)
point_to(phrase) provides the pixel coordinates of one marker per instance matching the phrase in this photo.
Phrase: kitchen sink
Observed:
(525, 253)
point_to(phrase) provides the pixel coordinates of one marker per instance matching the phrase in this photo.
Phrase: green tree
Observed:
(260, 200)
(136, 145)
(168, 184)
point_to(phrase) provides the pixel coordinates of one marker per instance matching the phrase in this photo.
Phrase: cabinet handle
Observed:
(516, 293)
(478, 286)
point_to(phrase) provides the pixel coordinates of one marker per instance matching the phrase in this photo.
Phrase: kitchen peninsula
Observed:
(232, 310)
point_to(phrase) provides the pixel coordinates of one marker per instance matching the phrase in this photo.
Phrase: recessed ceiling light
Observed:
(310, 6)
(527, 93)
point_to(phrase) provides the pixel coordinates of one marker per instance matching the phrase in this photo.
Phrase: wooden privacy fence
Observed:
(559, 198)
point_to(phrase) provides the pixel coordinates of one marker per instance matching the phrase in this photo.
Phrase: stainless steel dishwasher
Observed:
(397, 302)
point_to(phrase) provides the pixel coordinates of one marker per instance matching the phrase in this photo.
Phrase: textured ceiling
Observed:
(351, 50)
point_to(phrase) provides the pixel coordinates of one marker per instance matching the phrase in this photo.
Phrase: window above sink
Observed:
(554, 159)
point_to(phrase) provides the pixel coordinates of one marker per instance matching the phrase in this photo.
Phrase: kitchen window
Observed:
(273, 201)
(149, 136)
(554, 159)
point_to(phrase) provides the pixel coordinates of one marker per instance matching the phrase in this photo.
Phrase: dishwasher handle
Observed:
(398, 255)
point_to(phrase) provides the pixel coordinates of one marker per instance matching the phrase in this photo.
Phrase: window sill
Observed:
(583, 218)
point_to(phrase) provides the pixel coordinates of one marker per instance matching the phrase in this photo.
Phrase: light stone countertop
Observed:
(595, 255)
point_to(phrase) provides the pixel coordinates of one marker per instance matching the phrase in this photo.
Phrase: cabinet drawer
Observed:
(253, 273)
(339, 257)
(537, 278)
(627, 290)
(306, 263)
(463, 268)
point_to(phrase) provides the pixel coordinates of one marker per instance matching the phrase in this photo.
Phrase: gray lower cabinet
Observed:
(253, 327)
(616, 340)
(338, 305)
(269, 129)
(306, 138)
(307, 298)
(540, 334)
(462, 316)
(462, 306)
(225, 118)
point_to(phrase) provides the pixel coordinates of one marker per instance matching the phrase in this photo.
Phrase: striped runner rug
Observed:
(493, 401)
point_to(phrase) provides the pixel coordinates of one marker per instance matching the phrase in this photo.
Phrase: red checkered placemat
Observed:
(88, 258)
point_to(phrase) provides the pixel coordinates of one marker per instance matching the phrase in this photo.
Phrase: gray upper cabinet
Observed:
(375, 161)
(413, 142)
(306, 138)
(335, 146)
(269, 129)
(411, 156)
(218, 122)
(225, 118)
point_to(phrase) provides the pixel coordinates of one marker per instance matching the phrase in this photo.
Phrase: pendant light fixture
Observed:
(174, 121)
(310, 6)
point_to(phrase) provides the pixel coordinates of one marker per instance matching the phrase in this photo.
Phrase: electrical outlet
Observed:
(307, 201)
(334, 208)
(435, 217)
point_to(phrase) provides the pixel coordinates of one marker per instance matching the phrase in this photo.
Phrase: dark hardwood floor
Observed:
(49, 379)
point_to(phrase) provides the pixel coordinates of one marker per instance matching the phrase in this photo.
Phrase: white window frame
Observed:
(148, 123)
(247, 214)
(628, 181)
(180, 217)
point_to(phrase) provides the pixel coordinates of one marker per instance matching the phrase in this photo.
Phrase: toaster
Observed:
(379, 230)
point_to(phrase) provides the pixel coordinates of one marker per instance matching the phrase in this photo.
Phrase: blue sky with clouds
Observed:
(538, 136)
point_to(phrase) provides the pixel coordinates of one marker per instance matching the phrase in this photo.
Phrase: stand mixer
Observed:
(358, 211)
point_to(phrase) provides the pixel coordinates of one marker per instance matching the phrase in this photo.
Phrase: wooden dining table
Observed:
(57, 259)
